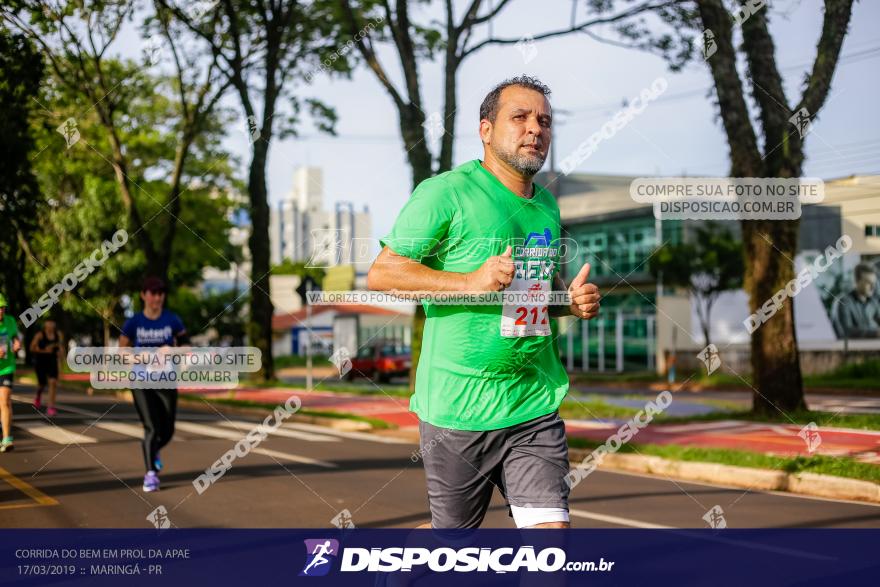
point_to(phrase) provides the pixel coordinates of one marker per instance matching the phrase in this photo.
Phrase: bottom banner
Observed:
(243, 558)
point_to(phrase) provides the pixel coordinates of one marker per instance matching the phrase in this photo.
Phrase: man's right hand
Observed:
(494, 275)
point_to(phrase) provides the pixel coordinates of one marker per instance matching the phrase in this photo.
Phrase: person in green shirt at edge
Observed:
(489, 380)
(9, 346)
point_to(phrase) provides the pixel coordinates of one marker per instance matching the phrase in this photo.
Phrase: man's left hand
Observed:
(584, 296)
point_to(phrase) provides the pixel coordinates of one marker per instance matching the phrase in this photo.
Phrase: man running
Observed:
(9, 346)
(45, 348)
(319, 551)
(157, 408)
(489, 380)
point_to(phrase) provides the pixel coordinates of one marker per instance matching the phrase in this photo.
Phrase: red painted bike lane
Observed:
(777, 439)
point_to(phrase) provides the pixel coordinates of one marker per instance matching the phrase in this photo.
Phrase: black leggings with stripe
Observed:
(157, 409)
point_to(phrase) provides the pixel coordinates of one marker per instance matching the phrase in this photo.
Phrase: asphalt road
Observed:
(84, 469)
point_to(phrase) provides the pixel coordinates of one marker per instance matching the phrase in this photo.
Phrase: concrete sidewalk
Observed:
(776, 439)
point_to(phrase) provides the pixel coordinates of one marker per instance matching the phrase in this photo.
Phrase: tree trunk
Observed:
(166, 247)
(776, 371)
(260, 323)
(106, 330)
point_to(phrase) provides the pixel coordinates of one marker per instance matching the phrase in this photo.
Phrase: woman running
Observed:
(157, 408)
(46, 347)
(9, 345)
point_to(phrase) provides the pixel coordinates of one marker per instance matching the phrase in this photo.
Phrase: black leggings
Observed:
(157, 409)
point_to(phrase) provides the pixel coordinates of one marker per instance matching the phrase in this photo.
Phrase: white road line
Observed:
(310, 436)
(55, 434)
(205, 430)
(295, 458)
(615, 520)
(347, 434)
(218, 432)
(133, 430)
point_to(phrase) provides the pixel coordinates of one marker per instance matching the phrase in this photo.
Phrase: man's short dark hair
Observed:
(864, 268)
(489, 107)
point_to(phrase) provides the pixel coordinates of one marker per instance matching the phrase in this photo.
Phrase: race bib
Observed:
(525, 311)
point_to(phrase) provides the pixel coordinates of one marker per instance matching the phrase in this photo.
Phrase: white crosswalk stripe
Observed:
(614, 519)
(37, 425)
(295, 458)
(309, 436)
(218, 432)
(132, 430)
(347, 434)
(55, 434)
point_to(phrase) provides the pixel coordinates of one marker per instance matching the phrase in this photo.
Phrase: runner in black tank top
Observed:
(46, 347)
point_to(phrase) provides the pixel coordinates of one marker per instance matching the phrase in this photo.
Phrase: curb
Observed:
(811, 484)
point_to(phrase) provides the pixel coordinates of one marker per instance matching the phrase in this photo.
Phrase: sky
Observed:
(677, 133)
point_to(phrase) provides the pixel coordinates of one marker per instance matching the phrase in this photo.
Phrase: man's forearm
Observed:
(409, 275)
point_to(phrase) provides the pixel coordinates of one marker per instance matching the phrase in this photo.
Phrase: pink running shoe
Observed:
(51, 411)
(37, 403)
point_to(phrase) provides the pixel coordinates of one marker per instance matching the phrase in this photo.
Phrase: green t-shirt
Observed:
(8, 331)
(469, 376)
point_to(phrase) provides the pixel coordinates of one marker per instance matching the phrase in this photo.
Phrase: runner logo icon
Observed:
(319, 557)
(540, 239)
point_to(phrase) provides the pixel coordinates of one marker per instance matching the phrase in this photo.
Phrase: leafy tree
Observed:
(711, 263)
(21, 70)
(288, 267)
(263, 47)
(733, 32)
(82, 208)
(76, 39)
(370, 24)
(218, 314)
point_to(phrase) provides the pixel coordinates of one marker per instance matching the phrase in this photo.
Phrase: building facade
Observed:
(302, 230)
(644, 322)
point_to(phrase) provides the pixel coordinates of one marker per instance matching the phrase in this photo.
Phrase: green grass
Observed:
(865, 375)
(857, 421)
(825, 465)
(598, 407)
(641, 377)
(594, 407)
(719, 404)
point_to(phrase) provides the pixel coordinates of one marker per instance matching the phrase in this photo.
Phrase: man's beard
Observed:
(528, 165)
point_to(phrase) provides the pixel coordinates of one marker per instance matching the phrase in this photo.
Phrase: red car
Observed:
(381, 361)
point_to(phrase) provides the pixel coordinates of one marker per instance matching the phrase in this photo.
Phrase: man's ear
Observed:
(485, 131)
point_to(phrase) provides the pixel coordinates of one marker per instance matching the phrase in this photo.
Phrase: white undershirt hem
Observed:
(525, 517)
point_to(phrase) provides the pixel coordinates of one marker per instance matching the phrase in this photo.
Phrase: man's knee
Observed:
(551, 525)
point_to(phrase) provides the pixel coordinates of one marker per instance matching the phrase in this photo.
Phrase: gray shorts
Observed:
(528, 463)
